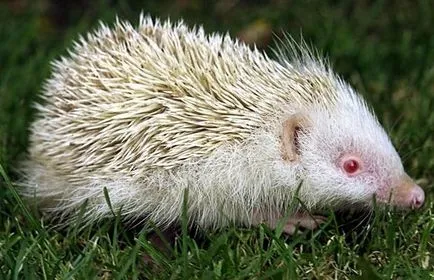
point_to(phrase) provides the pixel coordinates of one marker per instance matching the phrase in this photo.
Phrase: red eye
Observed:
(351, 166)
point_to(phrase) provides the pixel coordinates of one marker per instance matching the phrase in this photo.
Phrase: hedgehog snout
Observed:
(408, 194)
(414, 198)
(418, 197)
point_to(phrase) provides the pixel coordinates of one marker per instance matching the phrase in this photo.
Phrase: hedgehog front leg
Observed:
(297, 220)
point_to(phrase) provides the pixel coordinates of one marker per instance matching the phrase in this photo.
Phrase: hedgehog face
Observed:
(348, 158)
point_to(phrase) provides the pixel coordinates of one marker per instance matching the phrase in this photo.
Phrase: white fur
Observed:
(148, 112)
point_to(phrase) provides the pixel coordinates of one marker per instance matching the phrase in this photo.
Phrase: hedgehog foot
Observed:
(298, 220)
(303, 220)
(163, 242)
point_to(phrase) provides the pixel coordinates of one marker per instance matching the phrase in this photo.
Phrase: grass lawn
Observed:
(385, 49)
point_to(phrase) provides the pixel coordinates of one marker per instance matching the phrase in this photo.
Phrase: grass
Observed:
(385, 49)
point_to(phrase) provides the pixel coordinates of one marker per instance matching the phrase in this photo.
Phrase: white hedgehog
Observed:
(149, 112)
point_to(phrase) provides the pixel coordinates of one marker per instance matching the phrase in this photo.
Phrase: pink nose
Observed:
(417, 197)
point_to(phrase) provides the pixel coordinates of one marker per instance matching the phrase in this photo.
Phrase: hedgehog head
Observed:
(346, 155)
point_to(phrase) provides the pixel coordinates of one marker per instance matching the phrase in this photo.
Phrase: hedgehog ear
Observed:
(289, 139)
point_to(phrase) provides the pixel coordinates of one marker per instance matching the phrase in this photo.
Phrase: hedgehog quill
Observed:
(149, 111)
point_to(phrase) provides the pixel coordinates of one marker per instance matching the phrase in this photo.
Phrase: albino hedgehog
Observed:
(151, 111)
